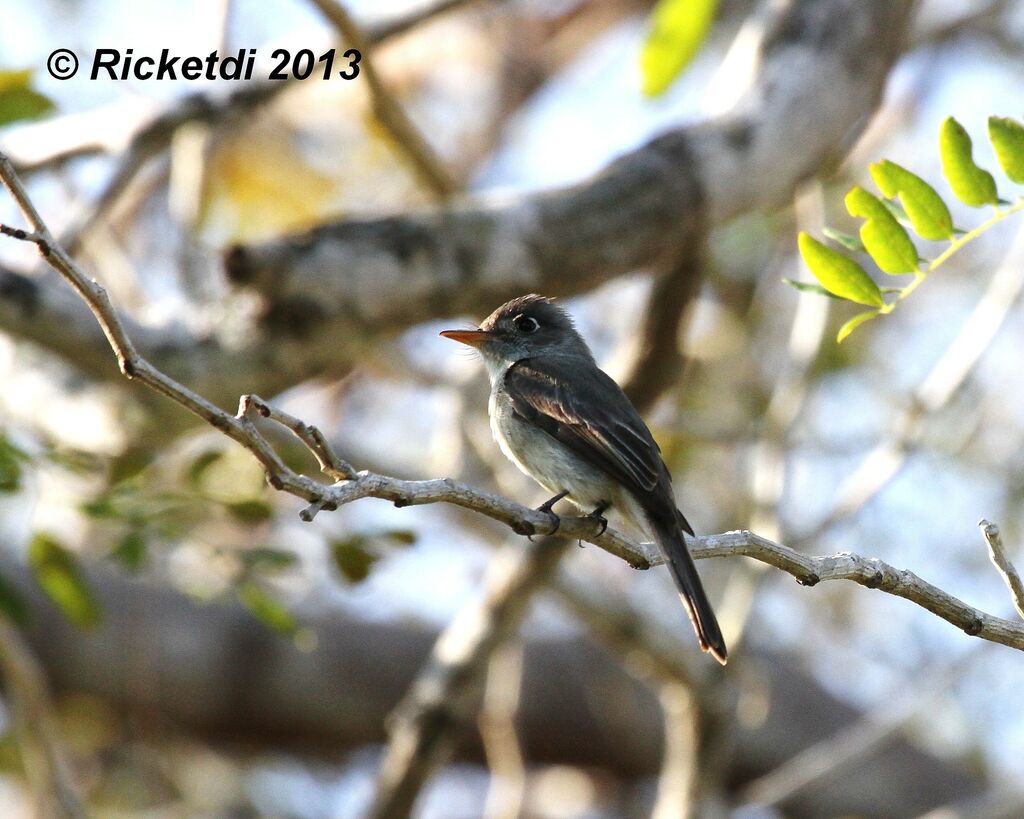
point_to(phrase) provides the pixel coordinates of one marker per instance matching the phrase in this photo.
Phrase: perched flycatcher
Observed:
(565, 423)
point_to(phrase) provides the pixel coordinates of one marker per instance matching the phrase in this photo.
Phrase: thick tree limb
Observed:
(822, 66)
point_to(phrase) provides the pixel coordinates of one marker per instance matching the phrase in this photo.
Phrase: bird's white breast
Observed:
(548, 461)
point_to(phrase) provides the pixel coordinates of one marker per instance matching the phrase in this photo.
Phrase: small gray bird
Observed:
(565, 423)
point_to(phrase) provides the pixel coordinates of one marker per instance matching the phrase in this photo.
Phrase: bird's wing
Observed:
(596, 420)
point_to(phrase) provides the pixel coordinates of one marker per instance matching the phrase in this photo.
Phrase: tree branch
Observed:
(389, 111)
(1003, 564)
(46, 765)
(426, 724)
(822, 68)
(658, 361)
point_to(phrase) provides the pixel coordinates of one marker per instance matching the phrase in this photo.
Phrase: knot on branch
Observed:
(523, 527)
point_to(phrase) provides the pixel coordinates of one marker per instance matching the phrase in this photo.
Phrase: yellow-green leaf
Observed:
(131, 550)
(17, 98)
(10, 466)
(1007, 136)
(884, 238)
(924, 207)
(839, 274)
(250, 512)
(12, 604)
(678, 28)
(57, 571)
(854, 323)
(268, 610)
(352, 557)
(972, 185)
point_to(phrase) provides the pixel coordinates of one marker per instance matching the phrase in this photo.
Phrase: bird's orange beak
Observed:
(474, 338)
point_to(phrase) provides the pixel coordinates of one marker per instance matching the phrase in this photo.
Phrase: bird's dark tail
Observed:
(684, 572)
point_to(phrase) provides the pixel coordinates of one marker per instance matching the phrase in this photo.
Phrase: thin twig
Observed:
(1003, 564)
(330, 464)
(387, 108)
(46, 765)
(823, 760)
(153, 138)
(427, 722)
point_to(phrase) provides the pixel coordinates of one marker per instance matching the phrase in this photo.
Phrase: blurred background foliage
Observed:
(876, 446)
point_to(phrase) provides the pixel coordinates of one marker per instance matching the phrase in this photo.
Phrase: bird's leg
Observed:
(546, 507)
(598, 515)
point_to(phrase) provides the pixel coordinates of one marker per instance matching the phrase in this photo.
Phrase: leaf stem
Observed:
(955, 245)
(958, 242)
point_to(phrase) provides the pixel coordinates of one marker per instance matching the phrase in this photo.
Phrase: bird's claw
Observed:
(598, 515)
(546, 508)
(556, 521)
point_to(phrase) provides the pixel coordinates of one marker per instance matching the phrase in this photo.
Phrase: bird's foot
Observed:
(598, 515)
(545, 507)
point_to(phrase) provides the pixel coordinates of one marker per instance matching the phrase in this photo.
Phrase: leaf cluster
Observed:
(907, 201)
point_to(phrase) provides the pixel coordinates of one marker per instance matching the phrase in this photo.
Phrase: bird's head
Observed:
(525, 327)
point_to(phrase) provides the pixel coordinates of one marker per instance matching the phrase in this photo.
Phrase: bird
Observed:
(566, 423)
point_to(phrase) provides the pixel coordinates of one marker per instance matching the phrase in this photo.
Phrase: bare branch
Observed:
(330, 464)
(659, 361)
(446, 693)
(46, 765)
(388, 109)
(496, 722)
(1003, 564)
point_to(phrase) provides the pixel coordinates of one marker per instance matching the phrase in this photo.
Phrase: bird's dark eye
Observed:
(526, 324)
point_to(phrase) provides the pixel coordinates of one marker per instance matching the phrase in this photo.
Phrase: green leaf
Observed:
(58, 573)
(854, 323)
(10, 466)
(202, 462)
(269, 558)
(847, 240)
(76, 461)
(678, 28)
(128, 465)
(18, 100)
(811, 287)
(250, 512)
(352, 558)
(401, 537)
(972, 185)
(267, 610)
(923, 206)
(839, 274)
(130, 551)
(1007, 137)
(884, 238)
(12, 604)
(101, 508)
